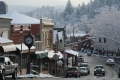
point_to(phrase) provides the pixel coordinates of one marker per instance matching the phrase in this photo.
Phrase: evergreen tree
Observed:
(78, 11)
(69, 9)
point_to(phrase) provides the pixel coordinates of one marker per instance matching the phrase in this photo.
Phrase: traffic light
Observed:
(104, 40)
(99, 40)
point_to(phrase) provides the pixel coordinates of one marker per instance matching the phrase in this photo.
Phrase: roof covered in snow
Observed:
(18, 18)
(76, 34)
(5, 40)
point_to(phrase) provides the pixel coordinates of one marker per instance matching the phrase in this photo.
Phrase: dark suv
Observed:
(99, 69)
(73, 72)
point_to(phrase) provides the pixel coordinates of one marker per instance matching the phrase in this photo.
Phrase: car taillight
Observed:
(75, 71)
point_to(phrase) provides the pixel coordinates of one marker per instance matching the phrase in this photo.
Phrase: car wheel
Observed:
(94, 74)
(88, 72)
(76, 76)
(103, 74)
(66, 76)
(79, 75)
(2, 76)
(118, 75)
(14, 75)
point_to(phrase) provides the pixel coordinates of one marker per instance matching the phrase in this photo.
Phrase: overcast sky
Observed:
(40, 3)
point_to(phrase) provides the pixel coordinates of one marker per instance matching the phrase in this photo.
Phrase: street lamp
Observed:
(21, 31)
(73, 33)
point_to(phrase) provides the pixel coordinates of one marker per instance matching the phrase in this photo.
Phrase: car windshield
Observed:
(71, 69)
(110, 60)
(1, 60)
(99, 67)
(80, 58)
(83, 65)
(82, 68)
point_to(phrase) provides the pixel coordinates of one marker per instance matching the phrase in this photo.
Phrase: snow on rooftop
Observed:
(5, 40)
(18, 18)
(72, 52)
(76, 34)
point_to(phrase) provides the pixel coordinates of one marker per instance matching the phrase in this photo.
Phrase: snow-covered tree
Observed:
(107, 24)
(69, 9)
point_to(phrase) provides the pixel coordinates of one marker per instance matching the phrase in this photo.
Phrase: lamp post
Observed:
(73, 33)
(21, 31)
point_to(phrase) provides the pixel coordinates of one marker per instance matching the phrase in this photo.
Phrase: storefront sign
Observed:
(4, 23)
(60, 46)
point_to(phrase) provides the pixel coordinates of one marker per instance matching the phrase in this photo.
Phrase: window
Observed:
(44, 65)
(37, 45)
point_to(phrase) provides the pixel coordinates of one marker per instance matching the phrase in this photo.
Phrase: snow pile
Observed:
(45, 75)
(32, 75)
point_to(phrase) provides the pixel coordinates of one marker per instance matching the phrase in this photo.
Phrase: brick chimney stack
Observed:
(3, 7)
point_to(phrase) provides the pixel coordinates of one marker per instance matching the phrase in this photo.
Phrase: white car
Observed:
(110, 62)
(83, 71)
(104, 56)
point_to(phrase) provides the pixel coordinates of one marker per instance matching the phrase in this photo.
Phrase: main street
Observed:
(110, 73)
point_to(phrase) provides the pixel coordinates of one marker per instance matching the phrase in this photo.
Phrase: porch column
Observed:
(40, 65)
(76, 63)
(49, 67)
(72, 60)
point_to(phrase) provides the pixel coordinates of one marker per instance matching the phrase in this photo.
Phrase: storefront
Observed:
(23, 49)
(7, 48)
(45, 61)
(73, 54)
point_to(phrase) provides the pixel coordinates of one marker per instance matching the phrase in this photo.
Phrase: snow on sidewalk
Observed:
(41, 75)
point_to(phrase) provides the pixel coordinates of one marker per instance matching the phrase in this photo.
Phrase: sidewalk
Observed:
(23, 71)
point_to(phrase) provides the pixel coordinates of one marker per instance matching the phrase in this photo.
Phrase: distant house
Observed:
(78, 37)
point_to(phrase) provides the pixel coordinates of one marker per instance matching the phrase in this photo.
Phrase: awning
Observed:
(8, 48)
(74, 53)
(51, 54)
(41, 54)
(25, 48)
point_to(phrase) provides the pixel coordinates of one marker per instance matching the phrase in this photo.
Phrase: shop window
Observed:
(44, 65)
(37, 45)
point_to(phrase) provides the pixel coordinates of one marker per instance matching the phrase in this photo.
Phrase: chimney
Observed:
(3, 7)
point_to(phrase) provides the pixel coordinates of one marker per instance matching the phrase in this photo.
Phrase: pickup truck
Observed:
(7, 68)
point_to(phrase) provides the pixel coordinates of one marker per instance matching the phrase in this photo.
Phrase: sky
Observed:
(40, 3)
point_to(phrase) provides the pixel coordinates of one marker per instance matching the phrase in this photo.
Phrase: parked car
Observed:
(105, 56)
(83, 71)
(80, 59)
(85, 64)
(95, 53)
(99, 69)
(89, 54)
(7, 67)
(110, 62)
(73, 72)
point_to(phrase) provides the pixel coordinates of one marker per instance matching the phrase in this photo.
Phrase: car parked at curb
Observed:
(7, 67)
(73, 72)
(83, 71)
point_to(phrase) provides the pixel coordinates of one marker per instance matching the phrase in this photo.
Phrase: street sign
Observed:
(55, 57)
